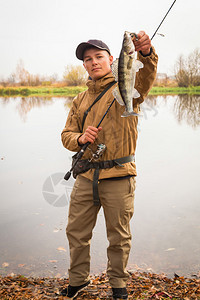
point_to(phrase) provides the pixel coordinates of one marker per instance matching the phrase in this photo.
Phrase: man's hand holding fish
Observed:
(142, 43)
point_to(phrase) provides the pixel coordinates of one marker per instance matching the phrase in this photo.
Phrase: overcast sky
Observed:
(45, 33)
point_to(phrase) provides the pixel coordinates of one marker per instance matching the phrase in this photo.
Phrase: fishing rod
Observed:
(82, 151)
(163, 20)
(79, 154)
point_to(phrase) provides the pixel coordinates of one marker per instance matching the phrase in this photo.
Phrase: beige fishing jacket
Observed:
(119, 134)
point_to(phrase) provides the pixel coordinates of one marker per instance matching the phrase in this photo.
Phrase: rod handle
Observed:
(67, 175)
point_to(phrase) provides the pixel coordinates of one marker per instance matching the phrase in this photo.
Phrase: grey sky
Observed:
(45, 33)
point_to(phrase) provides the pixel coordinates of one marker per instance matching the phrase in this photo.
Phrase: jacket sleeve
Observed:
(146, 75)
(71, 132)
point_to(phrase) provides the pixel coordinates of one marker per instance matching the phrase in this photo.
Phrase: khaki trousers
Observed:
(117, 200)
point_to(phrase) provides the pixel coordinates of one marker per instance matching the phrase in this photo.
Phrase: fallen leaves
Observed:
(21, 265)
(61, 249)
(5, 265)
(170, 249)
(140, 286)
(153, 286)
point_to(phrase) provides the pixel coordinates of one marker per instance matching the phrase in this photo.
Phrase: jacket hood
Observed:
(96, 86)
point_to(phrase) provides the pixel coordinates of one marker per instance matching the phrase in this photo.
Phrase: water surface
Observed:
(165, 226)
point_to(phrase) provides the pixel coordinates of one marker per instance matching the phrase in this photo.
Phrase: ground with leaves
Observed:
(140, 286)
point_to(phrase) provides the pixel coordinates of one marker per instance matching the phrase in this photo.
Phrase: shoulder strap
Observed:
(95, 101)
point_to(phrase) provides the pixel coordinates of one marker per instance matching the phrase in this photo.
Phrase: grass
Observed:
(195, 90)
(41, 91)
(73, 91)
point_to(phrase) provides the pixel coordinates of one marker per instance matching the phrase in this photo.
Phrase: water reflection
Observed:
(68, 102)
(152, 99)
(187, 107)
(25, 104)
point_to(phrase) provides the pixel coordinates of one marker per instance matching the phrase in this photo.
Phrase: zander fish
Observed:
(124, 70)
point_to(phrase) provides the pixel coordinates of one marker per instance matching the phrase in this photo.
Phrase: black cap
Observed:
(91, 43)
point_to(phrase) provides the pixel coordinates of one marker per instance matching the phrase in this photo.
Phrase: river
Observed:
(34, 197)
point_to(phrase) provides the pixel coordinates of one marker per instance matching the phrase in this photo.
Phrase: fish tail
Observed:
(131, 113)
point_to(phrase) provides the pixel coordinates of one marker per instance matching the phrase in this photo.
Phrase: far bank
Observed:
(72, 91)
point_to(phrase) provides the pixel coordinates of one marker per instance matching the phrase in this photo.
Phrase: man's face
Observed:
(97, 62)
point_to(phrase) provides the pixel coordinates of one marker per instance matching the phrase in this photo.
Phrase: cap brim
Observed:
(81, 49)
(83, 46)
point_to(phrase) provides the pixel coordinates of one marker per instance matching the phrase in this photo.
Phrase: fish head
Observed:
(128, 45)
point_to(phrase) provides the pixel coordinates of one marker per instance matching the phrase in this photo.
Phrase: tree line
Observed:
(186, 73)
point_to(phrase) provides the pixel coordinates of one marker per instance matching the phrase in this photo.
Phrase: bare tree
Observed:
(181, 72)
(22, 75)
(53, 78)
(3, 82)
(193, 65)
(187, 70)
(11, 79)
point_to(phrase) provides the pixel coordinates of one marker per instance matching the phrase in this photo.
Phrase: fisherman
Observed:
(104, 177)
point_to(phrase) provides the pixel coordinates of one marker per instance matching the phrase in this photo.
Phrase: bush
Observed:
(74, 75)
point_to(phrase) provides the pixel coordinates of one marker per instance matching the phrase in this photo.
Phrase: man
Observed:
(108, 179)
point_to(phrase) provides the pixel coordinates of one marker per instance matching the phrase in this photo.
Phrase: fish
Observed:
(124, 70)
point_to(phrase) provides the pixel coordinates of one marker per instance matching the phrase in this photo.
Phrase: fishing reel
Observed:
(101, 148)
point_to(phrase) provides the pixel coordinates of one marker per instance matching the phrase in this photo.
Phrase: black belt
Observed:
(105, 165)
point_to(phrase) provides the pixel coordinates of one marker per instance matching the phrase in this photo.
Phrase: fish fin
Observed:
(117, 95)
(127, 114)
(138, 65)
(114, 68)
(135, 93)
